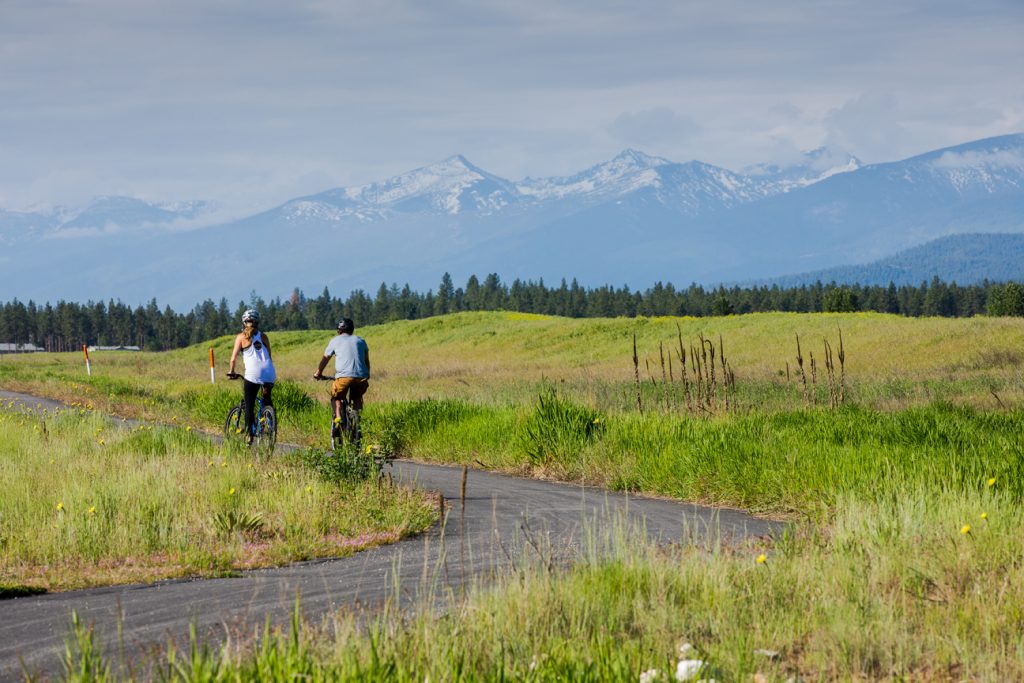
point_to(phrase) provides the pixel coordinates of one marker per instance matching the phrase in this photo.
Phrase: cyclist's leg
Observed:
(339, 392)
(356, 390)
(267, 388)
(249, 390)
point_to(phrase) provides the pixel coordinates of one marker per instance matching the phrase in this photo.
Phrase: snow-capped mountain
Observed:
(633, 219)
(450, 187)
(814, 166)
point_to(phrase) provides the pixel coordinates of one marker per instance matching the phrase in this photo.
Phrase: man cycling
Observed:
(351, 367)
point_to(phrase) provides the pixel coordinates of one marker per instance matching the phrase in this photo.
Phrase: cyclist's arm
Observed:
(367, 362)
(320, 370)
(234, 354)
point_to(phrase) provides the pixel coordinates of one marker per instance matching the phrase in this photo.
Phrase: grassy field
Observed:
(900, 590)
(904, 564)
(128, 504)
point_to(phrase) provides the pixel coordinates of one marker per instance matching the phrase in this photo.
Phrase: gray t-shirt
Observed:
(351, 356)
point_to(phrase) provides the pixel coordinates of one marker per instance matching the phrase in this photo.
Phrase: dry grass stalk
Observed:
(636, 375)
(803, 375)
(682, 370)
(833, 390)
(712, 383)
(842, 369)
(814, 379)
(664, 376)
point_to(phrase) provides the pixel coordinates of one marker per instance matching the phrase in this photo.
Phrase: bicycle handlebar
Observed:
(233, 375)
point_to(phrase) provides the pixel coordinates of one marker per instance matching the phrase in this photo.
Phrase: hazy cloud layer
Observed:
(254, 102)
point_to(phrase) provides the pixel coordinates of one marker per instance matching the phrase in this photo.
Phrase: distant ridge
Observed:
(634, 219)
(964, 259)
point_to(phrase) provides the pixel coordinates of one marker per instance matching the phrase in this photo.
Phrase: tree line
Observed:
(67, 325)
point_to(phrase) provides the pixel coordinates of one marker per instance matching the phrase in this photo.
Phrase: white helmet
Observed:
(250, 316)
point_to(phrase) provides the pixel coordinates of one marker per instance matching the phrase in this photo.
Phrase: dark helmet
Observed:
(346, 326)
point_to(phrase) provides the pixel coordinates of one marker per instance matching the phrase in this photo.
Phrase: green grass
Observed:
(876, 582)
(89, 501)
(890, 590)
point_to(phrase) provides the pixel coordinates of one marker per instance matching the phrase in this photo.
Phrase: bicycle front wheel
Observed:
(234, 425)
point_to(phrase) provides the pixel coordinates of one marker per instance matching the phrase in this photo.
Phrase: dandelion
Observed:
(209, 464)
(223, 463)
(965, 529)
(984, 515)
(309, 489)
(92, 510)
(761, 559)
(597, 421)
(52, 461)
(60, 506)
(231, 491)
(991, 482)
(102, 442)
(251, 466)
(188, 429)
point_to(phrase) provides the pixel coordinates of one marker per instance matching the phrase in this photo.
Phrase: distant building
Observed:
(20, 348)
(114, 348)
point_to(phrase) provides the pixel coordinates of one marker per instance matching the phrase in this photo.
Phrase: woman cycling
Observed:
(259, 366)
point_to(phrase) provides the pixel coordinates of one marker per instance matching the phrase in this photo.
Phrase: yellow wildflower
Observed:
(60, 506)
(992, 481)
(92, 509)
(102, 442)
(965, 529)
(188, 429)
(231, 491)
(984, 515)
(761, 559)
(309, 489)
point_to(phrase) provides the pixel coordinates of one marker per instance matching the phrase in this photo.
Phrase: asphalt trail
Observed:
(503, 518)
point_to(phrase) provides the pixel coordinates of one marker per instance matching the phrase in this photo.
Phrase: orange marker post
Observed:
(212, 380)
(85, 352)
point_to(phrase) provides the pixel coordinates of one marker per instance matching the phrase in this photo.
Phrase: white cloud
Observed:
(1004, 158)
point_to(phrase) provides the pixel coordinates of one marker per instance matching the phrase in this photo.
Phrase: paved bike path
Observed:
(503, 518)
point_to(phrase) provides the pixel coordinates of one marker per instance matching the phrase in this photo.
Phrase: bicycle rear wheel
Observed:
(266, 431)
(353, 430)
(234, 425)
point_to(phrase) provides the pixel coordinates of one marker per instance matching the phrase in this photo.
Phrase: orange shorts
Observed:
(352, 388)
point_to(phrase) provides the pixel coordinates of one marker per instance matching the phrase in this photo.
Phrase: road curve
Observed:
(502, 518)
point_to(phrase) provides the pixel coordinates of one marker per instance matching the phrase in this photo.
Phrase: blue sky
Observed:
(253, 102)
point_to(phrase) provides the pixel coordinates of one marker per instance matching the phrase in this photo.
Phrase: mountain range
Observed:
(634, 219)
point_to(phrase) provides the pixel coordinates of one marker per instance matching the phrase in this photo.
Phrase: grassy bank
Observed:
(900, 589)
(89, 501)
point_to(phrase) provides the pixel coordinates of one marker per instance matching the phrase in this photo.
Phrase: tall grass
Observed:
(894, 589)
(90, 501)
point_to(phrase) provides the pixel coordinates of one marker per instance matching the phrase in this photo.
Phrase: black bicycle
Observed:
(345, 430)
(263, 433)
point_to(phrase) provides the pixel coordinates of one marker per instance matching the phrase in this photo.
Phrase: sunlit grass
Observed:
(90, 501)
(890, 590)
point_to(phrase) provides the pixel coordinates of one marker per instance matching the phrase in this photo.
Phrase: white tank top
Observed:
(259, 369)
